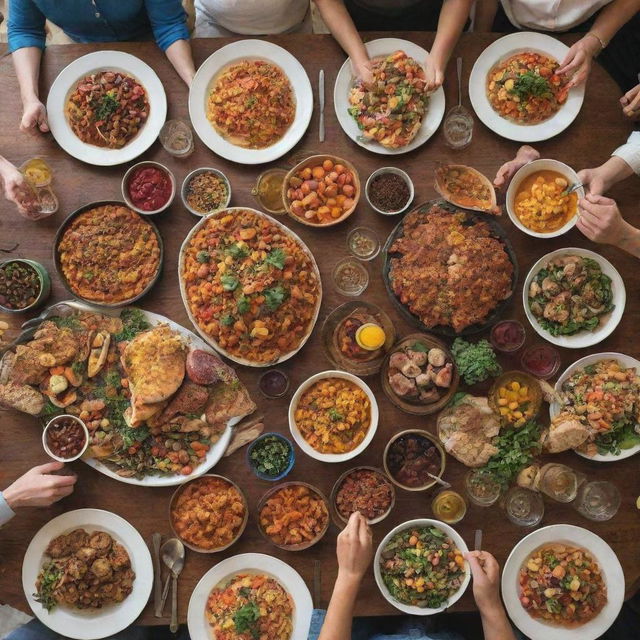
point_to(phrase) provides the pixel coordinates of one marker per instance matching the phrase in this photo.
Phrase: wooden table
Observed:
(589, 140)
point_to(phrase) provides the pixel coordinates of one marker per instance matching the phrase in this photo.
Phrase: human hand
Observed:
(600, 220)
(38, 488)
(433, 73)
(363, 70)
(593, 181)
(525, 155)
(34, 117)
(577, 63)
(486, 579)
(354, 548)
(17, 190)
(630, 102)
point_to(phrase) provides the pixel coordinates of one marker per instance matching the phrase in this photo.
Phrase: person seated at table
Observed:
(38, 487)
(612, 32)
(600, 219)
(261, 17)
(104, 21)
(354, 551)
(16, 189)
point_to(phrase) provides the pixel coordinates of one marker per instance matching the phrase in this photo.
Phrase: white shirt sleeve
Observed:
(6, 512)
(630, 152)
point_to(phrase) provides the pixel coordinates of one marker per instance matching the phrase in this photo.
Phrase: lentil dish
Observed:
(109, 254)
(294, 514)
(206, 192)
(333, 415)
(209, 513)
(250, 606)
(526, 89)
(107, 109)
(563, 585)
(251, 286)
(366, 491)
(251, 104)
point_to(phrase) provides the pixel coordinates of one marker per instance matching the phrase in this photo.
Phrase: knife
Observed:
(157, 587)
(321, 101)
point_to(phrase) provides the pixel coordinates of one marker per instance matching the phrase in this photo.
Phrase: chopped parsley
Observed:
(236, 251)
(134, 322)
(68, 322)
(242, 304)
(203, 257)
(106, 107)
(275, 296)
(49, 577)
(227, 320)
(229, 282)
(530, 85)
(245, 619)
(335, 415)
(276, 258)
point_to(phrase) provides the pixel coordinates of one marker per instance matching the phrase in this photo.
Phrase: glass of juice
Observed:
(449, 506)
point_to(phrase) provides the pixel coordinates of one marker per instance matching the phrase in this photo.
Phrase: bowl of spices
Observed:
(268, 190)
(363, 243)
(271, 457)
(24, 285)
(148, 187)
(205, 191)
(65, 438)
(389, 191)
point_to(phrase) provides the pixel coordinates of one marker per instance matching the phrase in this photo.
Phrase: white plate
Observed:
(290, 579)
(250, 50)
(88, 624)
(555, 408)
(500, 50)
(333, 457)
(93, 63)
(575, 536)
(608, 322)
(208, 339)
(344, 82)
(421, 522)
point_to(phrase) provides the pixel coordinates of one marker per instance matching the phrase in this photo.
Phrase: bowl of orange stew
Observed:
(208, 513)
(148, 187)
(536, 202)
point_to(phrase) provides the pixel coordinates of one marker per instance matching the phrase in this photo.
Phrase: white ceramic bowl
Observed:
(193, 174)
(53, 421)
(304, 445)
(541, 165)
(142, 165)
(421, 522)
(398, 172)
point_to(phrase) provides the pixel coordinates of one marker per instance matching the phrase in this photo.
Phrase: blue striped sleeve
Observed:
(6, 512)
(25, 27)
(168, 21)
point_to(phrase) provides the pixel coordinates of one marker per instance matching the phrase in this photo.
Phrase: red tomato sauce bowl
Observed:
(148, 187)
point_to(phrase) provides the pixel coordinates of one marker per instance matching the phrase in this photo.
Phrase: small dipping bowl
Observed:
(363, 243)
(399, 172)
(350, 277)
(265, 476)
(507, 336)
(268, 191)
(541, 361)
(43, 277)
(128, 176)
(185, 188)
(53, 424)
(273, 384)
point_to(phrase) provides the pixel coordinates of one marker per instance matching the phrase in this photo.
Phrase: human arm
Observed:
(600, 220)
(486, 592)
(16, 189)
(577, 63)
(630, 102)
(354, 551)
(602, 178)
(485, 15)
(525, 155)
(169, 23)
(339, 22)
(453, 15)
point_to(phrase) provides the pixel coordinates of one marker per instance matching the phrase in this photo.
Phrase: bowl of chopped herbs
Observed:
(271, 457)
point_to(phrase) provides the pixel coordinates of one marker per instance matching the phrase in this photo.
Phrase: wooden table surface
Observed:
(598, 129)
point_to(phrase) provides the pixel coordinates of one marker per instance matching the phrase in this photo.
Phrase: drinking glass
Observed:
(177, 138)
(559, 482)
(598, 500)
(449, 506)
(524, 507)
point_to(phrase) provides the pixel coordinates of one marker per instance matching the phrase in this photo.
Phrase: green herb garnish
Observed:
(49, 577)
(227, 320)
(229, 282)
(529, 85)
(236, 251)
(335, 415)
(134, 322)
(245, 619)
(275, 296)
(475, 361)
(203, 256)
(107, 106)
(242, 304)
(271, 456)
(276, 258)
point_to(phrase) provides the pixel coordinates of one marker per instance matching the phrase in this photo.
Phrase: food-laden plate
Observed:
(106, 108)
(579, 298)
(522, 66)
(333, 416)
(105, 531)
(172, 417)
(429, 114)
(293, 600)
(261, 308)
(394, 557)
(472, 269)
(554, 541)
(610, 433)
(466, 187)
(107, 254)
(250, 101)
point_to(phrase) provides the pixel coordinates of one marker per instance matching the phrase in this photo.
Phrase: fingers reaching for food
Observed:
(525, 155)
(354, 547)
(39, 488)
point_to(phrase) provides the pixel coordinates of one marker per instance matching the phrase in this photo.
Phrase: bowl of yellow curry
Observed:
(537, 202)
(333, 416)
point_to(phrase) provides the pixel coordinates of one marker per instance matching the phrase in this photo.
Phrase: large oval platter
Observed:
(87, 624)
(96, 62)
(208, 339)
(497, 232)
(344, 82)
(236, 52)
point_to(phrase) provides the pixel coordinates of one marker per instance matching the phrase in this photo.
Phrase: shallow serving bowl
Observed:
(143, 165)
(45, 284)
(399, 172)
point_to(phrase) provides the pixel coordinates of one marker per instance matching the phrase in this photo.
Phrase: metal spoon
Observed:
(66, 307)
(458, 123)
(172, 552)
(572, 188)
(440, 481)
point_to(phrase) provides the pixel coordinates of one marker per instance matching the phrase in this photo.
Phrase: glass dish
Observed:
(350, 277)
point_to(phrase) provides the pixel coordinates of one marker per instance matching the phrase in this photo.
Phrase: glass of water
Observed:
(524, 507)
(598, 500)
(177, 138)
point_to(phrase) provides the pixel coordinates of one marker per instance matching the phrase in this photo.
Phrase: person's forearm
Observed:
(630, 242)
(485, 15)
(614, 170)
(339, 22)
(453, 15)
(613, 16)
(179, 54)
(337, 624)
(27, 64)
(4, 166)
(495, 624)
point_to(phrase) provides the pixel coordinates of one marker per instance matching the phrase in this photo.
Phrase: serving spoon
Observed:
(440, 481)
(172, 552)
(458, 123)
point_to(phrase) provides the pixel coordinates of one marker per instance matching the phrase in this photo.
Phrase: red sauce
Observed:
(541, 361)
(507, 335)
(149, 188)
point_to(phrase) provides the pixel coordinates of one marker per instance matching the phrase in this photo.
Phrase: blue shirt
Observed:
(97, 21)
(6, 512)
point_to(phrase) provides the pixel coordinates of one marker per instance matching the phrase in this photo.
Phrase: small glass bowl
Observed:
(350, 277)
(276, 206)
(363, 243)
(52, 423)
(541, 352)
(273, 372)
(482, 476)
(264, 476)
(509, 347)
